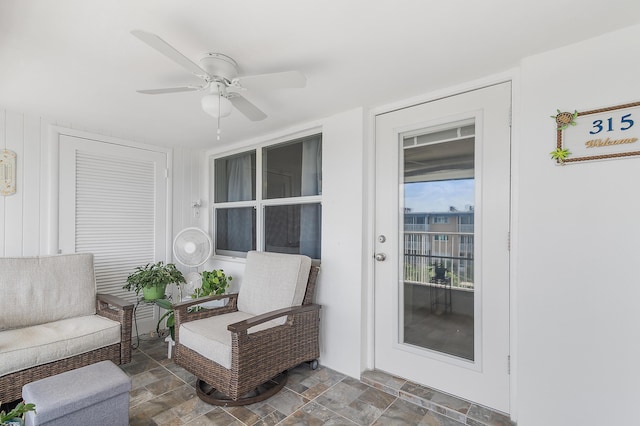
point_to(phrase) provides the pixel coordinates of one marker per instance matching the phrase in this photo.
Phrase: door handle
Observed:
(380, 257)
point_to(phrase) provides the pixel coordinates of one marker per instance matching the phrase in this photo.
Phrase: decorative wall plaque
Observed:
(597, 134)
(7, 172)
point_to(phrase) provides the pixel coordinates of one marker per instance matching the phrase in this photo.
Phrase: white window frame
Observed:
(259, 203)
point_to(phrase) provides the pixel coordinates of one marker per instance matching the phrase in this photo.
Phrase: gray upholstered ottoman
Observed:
(97, 394)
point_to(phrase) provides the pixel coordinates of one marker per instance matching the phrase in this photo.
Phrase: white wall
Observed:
(340, 280)
(187, 187)
(21, 229)
(578, 233)
(343, 221)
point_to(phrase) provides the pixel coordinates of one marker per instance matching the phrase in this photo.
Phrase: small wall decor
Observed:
(7, 172)
(597, 134)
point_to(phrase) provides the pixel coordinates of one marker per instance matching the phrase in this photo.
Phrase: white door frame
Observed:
(513, 76)
(51, 152)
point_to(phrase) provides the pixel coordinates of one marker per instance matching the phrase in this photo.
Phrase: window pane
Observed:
(235, 231)
(293, 229)
(235, 178)
(293, 169)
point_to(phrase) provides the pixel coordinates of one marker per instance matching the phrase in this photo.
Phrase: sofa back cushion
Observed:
(37, 290)
(273, 281)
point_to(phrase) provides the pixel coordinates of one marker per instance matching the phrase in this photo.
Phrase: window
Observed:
(440, 237)
(440, 219)
(285, 214)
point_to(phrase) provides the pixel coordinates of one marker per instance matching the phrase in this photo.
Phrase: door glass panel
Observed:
(438, 250)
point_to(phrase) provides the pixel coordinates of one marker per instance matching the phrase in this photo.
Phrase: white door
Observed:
(113, 203)
(442, 229)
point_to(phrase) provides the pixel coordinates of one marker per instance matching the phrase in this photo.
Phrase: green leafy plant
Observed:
(213, 282)
(154, 275)
(18, 412)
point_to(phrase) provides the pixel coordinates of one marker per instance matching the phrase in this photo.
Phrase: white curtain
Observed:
(310, 214)
(239, 223)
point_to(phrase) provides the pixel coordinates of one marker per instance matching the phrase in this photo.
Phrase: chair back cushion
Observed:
(38, 290)
(273, 281)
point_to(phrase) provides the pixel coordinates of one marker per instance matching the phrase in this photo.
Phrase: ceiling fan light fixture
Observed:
(216, 106)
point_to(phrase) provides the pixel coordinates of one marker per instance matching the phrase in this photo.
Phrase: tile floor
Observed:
(163, 394)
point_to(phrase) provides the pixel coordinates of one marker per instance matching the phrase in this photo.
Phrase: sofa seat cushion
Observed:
(210, 338)
(40, 344)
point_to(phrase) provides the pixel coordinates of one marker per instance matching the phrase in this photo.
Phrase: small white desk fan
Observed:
(192, 247)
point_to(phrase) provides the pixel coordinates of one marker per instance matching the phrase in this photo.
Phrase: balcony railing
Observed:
(416, 227)
(423, 251)
(465, 228)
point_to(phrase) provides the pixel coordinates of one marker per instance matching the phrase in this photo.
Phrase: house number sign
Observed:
(7, 172)
(597, 134)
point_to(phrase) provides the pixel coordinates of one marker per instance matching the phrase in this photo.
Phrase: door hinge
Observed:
(508, 364)
(509, 241)
(166, 173)
(510, 115)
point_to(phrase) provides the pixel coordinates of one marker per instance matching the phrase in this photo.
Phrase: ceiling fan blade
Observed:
(168, 90)
(251, 111)
(169, 51)
(278, 80)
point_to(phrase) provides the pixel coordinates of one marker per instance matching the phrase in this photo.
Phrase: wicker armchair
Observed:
(241, 352)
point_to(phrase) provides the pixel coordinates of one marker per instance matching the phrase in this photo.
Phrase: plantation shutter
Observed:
(113, 204)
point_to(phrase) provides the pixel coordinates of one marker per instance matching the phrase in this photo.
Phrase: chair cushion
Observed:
(38, 290)
(39, 344)
(273, 281)
(210, 337)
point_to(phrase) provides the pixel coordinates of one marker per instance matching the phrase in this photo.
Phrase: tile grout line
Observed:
(428, 404)
(385, 410)
(312, 400)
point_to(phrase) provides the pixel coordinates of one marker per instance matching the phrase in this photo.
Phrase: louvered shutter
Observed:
(114, 202)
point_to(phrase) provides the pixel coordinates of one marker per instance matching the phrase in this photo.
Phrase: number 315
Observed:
(625, 124)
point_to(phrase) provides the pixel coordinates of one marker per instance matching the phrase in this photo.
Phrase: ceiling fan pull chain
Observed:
(219, 96)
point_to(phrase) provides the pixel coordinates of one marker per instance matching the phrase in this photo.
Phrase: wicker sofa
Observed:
(52, 320)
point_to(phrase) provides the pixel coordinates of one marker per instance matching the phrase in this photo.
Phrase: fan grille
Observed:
(192, 247)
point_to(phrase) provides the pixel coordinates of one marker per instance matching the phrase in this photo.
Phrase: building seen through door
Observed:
(439, 240)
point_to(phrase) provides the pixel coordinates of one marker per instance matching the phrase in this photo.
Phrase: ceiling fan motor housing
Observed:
(219, 66)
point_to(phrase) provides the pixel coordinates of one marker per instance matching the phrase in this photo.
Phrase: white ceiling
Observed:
(75, 61)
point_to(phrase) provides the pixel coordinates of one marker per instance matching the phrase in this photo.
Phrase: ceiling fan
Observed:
(220, 78)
